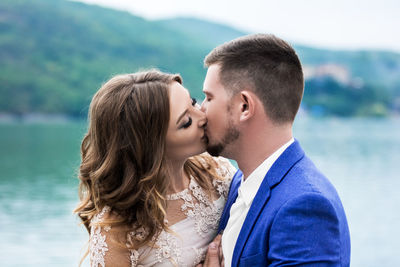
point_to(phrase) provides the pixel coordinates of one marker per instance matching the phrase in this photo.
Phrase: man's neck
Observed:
(256, 148)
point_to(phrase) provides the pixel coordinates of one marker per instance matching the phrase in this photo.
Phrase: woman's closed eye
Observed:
(189, 121)
(187, 124)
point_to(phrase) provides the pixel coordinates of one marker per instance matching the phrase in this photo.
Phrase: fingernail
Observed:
(213, 246)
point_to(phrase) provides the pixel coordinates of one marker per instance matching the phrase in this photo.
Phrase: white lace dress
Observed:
(186, 245)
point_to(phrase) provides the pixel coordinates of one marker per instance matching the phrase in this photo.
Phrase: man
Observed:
(281, 210)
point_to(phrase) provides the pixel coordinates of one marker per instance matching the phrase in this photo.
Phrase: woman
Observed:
(146, 198)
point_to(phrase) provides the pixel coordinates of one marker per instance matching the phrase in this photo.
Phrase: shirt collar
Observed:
(249, 187)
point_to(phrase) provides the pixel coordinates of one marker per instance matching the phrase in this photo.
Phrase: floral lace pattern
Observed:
(98, 246)
(168, 249)
(200, 255)
(187, 246)
(134, 257)
(203, 212)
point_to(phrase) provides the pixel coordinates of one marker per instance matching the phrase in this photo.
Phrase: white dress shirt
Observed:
(246, 193)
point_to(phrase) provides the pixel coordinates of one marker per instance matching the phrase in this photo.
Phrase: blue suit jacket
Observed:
(296, 218)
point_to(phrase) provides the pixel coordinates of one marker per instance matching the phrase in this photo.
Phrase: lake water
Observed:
(38, 188)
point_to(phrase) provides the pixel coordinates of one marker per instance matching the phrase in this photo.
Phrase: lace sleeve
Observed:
(226, 170)
(106, 246)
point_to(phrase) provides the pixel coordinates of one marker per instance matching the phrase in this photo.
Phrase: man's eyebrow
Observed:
(205, 91)
(181, 116)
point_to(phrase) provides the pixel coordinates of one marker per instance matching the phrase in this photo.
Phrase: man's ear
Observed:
(247, 105)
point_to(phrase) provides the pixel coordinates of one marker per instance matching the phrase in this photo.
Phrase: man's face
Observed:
(220, 129)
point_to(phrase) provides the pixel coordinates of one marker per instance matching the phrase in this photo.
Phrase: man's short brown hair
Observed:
(266, 65)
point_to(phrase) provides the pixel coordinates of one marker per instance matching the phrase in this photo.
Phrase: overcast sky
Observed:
(338, 24)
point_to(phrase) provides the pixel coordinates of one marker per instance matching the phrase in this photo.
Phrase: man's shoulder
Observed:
(304, 181)
(305, 176)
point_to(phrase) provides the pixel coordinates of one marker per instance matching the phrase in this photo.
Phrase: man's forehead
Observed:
(212, 83)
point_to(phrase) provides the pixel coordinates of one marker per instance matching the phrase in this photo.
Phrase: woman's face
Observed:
(185, 135)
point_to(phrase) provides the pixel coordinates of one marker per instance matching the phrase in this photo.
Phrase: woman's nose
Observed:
(201, 118)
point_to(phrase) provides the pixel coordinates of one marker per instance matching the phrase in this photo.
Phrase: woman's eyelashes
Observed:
(187, 124)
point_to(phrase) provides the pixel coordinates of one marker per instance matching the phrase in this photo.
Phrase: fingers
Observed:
(213, 258)
(217, 239)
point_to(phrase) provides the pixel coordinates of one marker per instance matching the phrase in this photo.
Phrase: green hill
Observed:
(55, 54)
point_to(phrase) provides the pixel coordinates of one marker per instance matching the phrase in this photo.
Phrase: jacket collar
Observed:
(248, 188)
(274, 176)
(233, 193)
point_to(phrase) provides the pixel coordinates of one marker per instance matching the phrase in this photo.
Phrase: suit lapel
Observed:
(233, 193)
(274, 176)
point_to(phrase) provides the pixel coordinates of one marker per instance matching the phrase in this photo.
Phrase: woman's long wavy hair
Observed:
(123, 163)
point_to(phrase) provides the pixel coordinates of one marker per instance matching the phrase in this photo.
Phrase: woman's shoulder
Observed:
(225, 168)
(221, 170)
(222, 166)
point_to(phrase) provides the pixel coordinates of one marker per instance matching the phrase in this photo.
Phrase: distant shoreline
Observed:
(39, 118)
(43, 118)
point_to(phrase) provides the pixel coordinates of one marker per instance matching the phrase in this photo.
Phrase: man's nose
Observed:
(203, 106)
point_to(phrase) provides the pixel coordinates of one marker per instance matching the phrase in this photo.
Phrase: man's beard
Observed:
(231, 135)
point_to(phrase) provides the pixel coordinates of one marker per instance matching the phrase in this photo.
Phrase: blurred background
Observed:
(55, 54)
